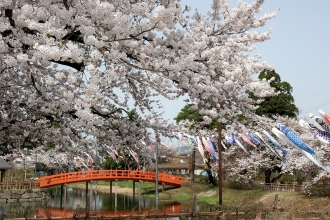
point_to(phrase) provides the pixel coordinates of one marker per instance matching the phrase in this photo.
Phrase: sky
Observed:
(299, 51)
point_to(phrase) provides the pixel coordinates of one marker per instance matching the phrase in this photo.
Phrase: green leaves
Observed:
(281, 104)
(188, 112)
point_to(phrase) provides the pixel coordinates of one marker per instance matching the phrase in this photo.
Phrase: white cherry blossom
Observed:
(101, 68)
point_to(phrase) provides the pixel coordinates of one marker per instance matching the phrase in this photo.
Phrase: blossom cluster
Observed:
(76, 70)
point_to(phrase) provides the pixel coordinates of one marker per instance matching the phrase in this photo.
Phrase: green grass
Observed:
(211, 199)
(182, 197)
(232, 199)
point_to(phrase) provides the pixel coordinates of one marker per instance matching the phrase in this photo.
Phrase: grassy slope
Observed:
(233, 199)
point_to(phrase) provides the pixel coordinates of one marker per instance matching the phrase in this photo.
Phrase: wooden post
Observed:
(116, 195)
(65, 191)
(87, 201)
(3, 175)
(156, 182)
(220, 163)
(61, 196)
(192, 165)
(275, 202)
(139, 195)
(133, 191)
(110, 187)
(116, 187)
(194, 205)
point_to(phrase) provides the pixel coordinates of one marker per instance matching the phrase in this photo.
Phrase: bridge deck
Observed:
(92, 175)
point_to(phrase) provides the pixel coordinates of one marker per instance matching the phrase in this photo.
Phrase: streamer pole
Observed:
(220, 163)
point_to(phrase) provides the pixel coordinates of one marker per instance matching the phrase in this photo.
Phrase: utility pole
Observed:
(35, 168)
(25, 151)
(156, 187)
(220, 163)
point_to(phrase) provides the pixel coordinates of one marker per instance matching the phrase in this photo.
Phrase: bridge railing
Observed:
(90, 175)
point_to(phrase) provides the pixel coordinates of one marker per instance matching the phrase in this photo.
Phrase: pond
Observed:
(74, 203)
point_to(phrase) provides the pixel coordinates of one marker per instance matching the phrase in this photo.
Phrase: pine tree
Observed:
(280, 104)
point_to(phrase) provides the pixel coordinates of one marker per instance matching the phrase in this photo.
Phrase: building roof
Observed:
(173, 166)
(4, 165)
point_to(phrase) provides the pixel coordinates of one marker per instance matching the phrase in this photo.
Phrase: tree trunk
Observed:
(268, 174)
(300, 178)
(192, 165)
(276, 177)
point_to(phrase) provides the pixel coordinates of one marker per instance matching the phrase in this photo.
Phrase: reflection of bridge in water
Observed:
(111, 175)
(171, 208)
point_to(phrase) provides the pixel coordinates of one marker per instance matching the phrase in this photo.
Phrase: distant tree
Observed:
(121, 163)
(188, 112)
(280, 104)
(110, 164)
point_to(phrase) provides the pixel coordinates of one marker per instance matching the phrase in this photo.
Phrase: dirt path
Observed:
(207, 193)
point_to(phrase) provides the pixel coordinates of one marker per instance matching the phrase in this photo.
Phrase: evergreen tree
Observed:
(281, 104)
(188, 112)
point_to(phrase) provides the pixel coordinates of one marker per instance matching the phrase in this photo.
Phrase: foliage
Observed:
(110, 164)
(280, 104)
(189, 112)
(121, 163)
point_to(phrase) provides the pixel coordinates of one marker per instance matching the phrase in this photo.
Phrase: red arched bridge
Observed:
(92, 175)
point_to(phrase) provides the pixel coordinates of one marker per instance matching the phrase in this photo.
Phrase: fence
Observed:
(17, 186)
(282, 187)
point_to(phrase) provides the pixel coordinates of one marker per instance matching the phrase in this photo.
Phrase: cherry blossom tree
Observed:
(244, 166)
(76, 73)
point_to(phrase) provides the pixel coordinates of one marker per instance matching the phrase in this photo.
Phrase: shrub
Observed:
(201, 179)
(239, 185)
(185, 183)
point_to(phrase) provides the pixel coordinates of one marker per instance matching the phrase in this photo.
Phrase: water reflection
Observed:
(100, 204)
(97, 201)
(23, 209)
